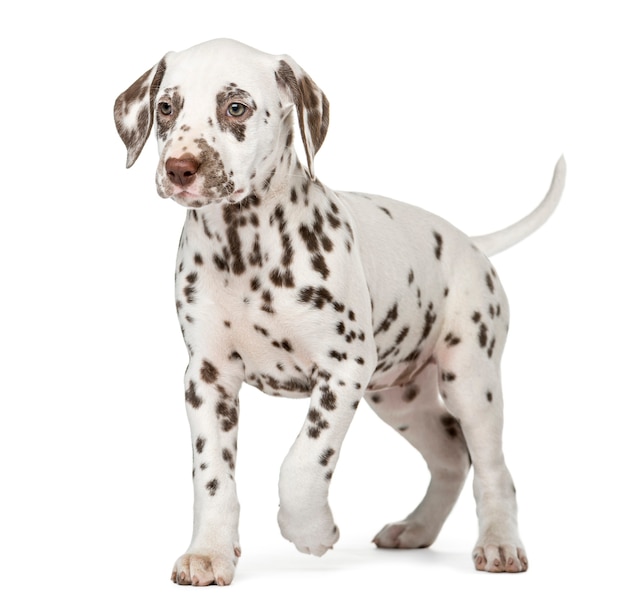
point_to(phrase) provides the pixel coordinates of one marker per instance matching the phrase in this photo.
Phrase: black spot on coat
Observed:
(326, 456)
(208, 373)
(191, 397)
(438, 244)
(212, 487)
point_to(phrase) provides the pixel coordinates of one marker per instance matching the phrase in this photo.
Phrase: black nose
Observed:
(182, 170)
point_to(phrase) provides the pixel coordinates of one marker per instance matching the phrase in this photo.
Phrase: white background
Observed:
(460, 107)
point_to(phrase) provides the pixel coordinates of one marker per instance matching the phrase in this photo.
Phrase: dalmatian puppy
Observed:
(302, 291)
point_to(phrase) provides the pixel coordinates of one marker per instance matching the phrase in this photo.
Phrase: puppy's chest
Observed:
(244, 285)
(239, 269)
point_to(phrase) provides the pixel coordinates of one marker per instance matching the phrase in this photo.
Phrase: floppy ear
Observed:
(134, 110)
(311, 104)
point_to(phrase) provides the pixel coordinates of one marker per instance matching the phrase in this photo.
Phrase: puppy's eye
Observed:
(236, 109)
(165, 108)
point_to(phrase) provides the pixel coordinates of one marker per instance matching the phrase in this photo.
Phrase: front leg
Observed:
(304, 516)
(212, 410)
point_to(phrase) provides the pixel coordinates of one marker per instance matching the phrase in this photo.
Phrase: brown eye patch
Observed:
(168, 108)
(234, 107)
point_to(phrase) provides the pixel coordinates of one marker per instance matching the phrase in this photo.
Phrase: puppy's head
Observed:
(222, 114)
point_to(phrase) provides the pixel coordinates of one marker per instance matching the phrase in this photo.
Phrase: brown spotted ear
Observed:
(134, 110)
(311, 105)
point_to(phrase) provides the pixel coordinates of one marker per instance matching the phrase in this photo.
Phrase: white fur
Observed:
(303, 291)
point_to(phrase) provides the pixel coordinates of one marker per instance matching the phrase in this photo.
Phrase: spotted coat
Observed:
(302, 291)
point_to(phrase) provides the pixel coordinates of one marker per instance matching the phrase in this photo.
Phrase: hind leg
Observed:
(415, 411)
(471, 389)
(474, 395)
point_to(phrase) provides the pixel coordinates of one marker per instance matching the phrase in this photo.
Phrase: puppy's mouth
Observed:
(193, 200)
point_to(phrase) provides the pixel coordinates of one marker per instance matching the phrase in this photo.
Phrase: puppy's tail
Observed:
(496, 242)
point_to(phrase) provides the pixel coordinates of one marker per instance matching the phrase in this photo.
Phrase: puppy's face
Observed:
(219, 116)
(223, 116)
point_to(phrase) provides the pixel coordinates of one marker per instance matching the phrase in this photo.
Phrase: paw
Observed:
(198, 569)
(498, 558)
(404, 535)
(311, 535)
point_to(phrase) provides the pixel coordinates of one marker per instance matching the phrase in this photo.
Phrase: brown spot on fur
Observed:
(318, 423)
(451, 425)
(191, 397)
(319, 265)
(212, 486)
(482, 335)
(228, 413)
(267, 302)
(451, 340)
(326, 456)
(410, 393)
(208, 372)
(390, 318)
(438, 245)
(229, 458)
(429, 320)
(328, 399)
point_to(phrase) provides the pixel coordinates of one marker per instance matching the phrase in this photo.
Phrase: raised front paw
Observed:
(498, 558)
(204, 568)
(313, 535)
